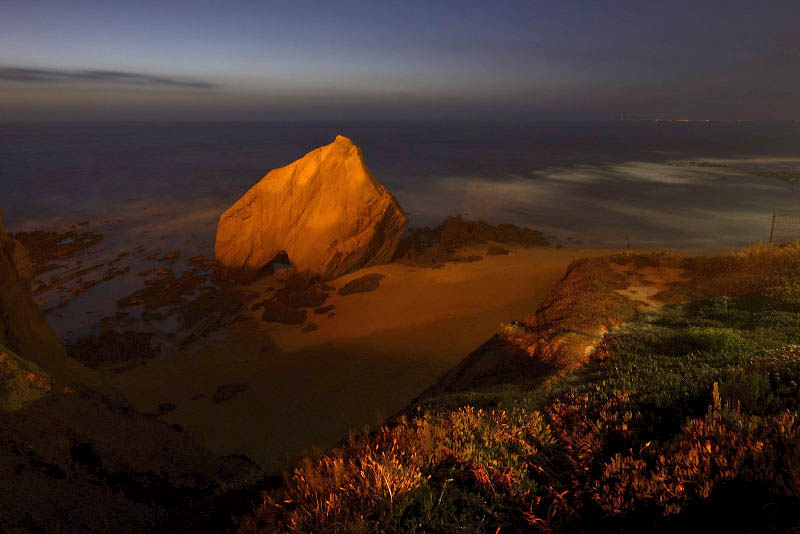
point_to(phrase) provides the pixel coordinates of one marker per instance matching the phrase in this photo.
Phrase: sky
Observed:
(388, 60)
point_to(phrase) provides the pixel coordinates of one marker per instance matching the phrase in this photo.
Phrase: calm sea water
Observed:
(595, 183)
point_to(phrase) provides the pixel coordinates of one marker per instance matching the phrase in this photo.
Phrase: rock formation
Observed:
(326, 211)
(22, 326)
(433, 247)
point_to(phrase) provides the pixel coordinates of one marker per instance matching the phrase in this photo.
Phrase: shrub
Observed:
(717, 450)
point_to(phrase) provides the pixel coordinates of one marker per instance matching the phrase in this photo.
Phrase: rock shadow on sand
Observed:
(363, 284)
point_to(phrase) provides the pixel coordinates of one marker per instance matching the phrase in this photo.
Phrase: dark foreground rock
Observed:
(76, 461)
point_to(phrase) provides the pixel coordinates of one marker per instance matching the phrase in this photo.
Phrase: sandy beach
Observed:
(294, 390)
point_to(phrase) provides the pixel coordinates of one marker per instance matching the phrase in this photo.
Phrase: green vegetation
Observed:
(21, 381)
(685, 417)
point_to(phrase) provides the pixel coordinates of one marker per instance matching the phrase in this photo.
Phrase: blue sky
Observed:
(534, 60)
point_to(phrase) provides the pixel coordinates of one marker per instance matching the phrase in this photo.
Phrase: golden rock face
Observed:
(326, 211)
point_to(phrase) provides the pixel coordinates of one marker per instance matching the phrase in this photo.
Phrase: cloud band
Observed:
(18, 74)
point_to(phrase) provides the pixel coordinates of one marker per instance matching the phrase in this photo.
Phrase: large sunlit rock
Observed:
(326, 211)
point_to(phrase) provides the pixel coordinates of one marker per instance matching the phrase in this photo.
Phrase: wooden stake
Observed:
(772, 229)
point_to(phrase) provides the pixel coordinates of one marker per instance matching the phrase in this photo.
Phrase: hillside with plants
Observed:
(648, 392)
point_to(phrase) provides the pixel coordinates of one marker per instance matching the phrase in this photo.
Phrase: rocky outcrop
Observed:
(555, 340)
(326, 211)
(433, 247)
(22, 326)
(595, 296)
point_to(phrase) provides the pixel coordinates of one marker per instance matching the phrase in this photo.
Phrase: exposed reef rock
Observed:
(48, 250)
(433, 247)
(299, 292)
(326, 211)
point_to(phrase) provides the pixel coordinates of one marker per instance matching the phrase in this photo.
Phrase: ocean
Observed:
(595, 184)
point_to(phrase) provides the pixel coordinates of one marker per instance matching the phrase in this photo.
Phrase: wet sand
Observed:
(295, 390)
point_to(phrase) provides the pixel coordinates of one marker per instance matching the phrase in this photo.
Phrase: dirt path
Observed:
(647, 282)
